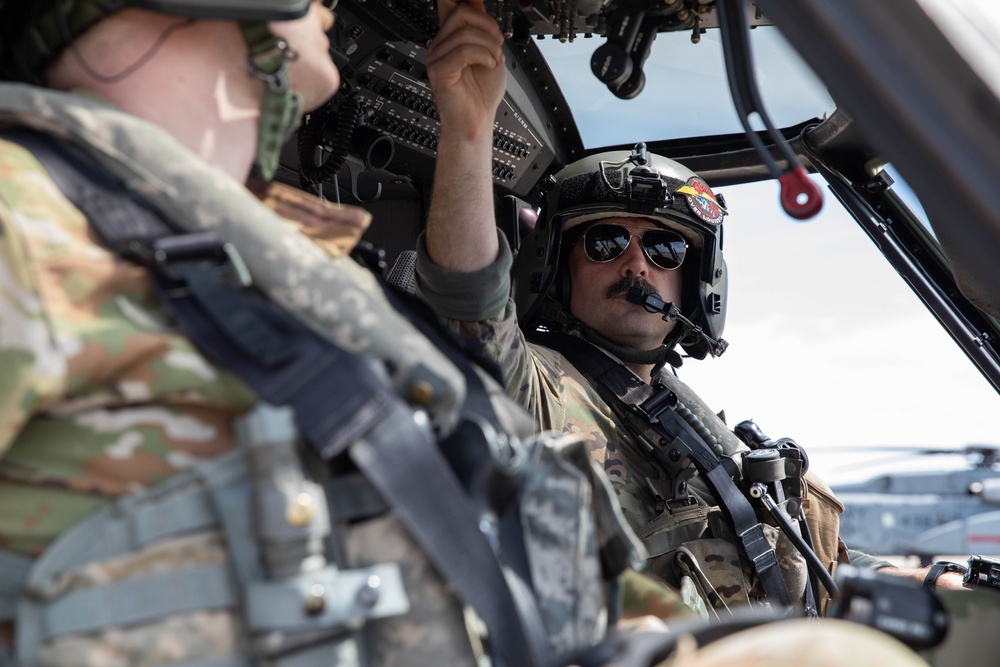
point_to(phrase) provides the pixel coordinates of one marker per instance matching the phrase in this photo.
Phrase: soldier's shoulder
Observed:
(803, 643)
(567, 379)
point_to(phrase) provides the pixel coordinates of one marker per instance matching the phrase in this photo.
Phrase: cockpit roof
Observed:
(686, 92)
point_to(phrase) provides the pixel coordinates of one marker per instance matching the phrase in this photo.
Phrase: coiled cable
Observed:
(312, 133)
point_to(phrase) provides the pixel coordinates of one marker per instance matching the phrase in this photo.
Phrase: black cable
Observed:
(311, 136)
(812, 560)
(130, 69)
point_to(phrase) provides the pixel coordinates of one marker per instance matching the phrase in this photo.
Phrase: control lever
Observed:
(612, 61)
(638, 55)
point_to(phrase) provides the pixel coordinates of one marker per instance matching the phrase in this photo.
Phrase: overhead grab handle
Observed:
(800, 197)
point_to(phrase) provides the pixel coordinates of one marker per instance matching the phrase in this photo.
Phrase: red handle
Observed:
(800, 197)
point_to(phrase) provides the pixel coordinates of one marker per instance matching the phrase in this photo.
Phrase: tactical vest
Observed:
(352, 527)
(697, 543)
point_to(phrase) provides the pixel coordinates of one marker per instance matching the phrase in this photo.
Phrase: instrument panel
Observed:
(380, 47)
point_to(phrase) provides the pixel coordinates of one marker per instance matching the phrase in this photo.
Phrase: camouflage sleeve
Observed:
(33, 369)
(867, 561)
(468, 296)
(478, 307)
(643, 595)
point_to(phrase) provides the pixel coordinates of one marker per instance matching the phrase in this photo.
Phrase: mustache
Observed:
(627, 283)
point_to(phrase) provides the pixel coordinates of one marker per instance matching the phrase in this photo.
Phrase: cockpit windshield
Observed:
(680, 99)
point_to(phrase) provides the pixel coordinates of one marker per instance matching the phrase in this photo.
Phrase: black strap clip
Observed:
(937, 569)
(173, 257)
(654, 406)
(982, 571)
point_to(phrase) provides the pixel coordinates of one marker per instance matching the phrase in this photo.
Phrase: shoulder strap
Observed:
(341, 405)
(642, 406)
(14, 569)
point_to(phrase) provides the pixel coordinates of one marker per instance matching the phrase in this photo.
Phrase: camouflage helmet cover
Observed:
(33, 33)
(627, 184)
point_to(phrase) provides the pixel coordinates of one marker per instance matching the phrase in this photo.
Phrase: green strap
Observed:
(280, 109)
(133, 522)
(346, 596)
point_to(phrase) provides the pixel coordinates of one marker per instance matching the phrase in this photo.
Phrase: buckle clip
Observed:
(664, 399)
(277, 81)
(171, 256)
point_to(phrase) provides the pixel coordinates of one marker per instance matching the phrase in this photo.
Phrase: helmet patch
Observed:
(701, 201)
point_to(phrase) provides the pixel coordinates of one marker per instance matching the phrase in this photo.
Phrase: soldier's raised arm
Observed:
(465, 65)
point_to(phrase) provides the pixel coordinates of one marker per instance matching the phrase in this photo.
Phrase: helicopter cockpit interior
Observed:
(740, 91)
(582, 74)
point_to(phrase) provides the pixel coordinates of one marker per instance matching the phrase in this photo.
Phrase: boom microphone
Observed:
(654, 303)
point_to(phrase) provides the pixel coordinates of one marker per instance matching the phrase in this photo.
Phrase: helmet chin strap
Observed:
(280, 111)
(658, 357)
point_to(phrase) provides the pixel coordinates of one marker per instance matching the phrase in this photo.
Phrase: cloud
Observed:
(829, 345)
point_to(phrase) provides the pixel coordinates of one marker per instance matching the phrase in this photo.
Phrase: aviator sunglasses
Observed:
(606, 242)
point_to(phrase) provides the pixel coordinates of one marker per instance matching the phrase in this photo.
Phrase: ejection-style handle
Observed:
(800, 197)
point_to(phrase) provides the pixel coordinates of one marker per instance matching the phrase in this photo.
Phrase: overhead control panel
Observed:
(385, 48)
(385, 116)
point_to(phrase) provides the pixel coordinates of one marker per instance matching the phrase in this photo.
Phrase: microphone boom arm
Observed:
(653, 303)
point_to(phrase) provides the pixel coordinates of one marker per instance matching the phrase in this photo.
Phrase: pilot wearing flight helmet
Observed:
(624, 269)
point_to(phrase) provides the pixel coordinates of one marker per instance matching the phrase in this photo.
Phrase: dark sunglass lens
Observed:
(665, 249)
(605, 242)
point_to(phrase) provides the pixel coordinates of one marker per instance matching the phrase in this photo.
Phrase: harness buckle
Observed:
(663, 399)
(170, 256)
(277, 81)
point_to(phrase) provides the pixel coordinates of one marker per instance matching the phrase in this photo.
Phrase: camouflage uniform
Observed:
(101, 398)
(478, 307)
(86, 351)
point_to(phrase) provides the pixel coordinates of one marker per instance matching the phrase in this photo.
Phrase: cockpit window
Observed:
(903, 190)
(686, 92)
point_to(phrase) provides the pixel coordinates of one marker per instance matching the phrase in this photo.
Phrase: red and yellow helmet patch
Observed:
(701, 201)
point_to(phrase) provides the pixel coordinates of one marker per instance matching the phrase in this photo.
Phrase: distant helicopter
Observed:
(926, 512)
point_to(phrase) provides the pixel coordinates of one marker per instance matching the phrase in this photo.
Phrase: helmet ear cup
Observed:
(708, 312)
(534, 272)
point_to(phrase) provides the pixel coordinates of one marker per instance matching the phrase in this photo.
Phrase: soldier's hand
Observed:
(465, 65)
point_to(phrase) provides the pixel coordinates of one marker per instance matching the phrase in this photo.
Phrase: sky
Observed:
(828, 345)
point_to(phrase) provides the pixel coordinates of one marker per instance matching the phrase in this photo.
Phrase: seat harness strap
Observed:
(641, 405)
(340, 403)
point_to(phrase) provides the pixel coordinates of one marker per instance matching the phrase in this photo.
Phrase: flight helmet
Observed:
(33, 33)
(623, 184)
